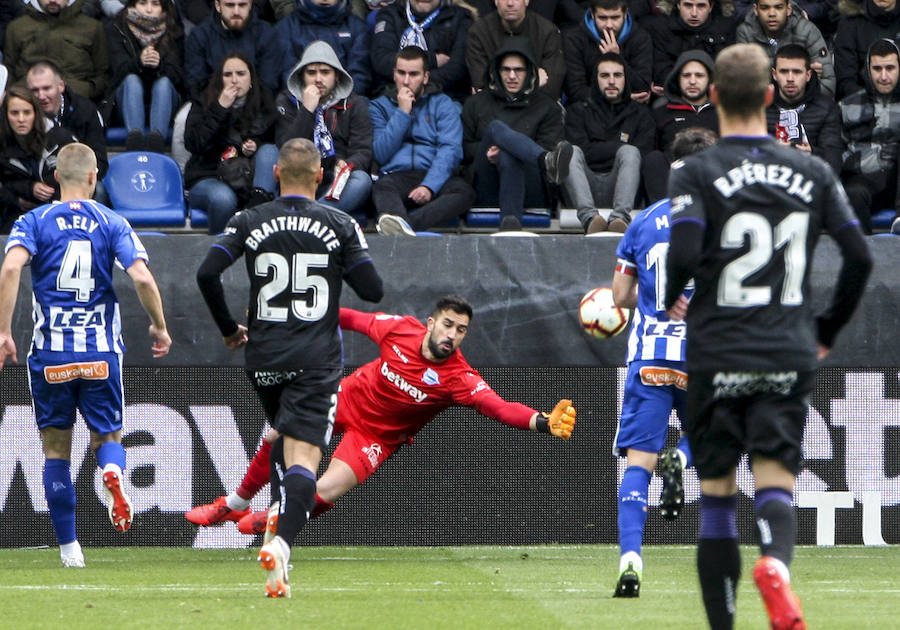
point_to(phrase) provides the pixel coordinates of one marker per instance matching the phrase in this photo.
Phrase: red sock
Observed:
(321, 507)
(257, 475)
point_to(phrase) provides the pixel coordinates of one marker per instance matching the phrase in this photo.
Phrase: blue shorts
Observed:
(91, 382)
(652, 390)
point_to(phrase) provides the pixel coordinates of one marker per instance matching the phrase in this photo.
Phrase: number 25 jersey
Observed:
(297, 252)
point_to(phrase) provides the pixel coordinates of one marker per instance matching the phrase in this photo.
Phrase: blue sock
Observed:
(633, 508)
(111, 453)
(685, 447)
(60, 493)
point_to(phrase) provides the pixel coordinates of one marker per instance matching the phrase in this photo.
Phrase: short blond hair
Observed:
(742, 75)
(74, 162)
(299, 162)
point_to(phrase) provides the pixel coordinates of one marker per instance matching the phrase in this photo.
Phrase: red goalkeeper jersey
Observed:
(401, 391)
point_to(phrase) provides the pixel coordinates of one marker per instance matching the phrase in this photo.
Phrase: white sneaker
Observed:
(72, 558)
(117, 502)
(392, 225)
(273, 557)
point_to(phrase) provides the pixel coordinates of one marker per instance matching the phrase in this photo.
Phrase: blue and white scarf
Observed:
(321, 136)
(415, 34)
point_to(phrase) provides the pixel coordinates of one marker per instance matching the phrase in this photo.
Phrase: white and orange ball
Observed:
(599, 315)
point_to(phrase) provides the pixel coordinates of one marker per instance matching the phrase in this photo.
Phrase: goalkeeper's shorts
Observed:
(363, 453)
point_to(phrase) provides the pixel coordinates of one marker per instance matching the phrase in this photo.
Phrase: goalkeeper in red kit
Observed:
(383, 404)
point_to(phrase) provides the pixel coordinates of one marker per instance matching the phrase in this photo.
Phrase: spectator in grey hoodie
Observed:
(319, 105)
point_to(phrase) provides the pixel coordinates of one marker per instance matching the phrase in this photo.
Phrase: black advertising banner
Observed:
(190, 432)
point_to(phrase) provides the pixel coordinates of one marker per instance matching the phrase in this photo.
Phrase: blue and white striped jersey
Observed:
(74, 246)
(642, 252)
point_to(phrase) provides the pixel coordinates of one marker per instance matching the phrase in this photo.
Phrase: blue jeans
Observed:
(164, 100)
(516, 178)
(355, 194)
(264, 160)
(217, 199)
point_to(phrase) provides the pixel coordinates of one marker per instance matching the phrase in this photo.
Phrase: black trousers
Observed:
(390, 196)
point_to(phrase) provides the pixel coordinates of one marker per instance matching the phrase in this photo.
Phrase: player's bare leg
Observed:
(632, 515)
(777, 529)
(299, 490)
(60, 493)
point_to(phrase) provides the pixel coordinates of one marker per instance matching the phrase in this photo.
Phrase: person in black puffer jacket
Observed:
(146, 45)
(234, 120)
(28, 147)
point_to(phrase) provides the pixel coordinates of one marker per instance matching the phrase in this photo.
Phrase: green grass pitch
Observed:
(520, 588)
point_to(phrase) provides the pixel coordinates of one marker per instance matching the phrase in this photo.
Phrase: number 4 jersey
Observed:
(762, 207)
(74, 246)
(297, 252)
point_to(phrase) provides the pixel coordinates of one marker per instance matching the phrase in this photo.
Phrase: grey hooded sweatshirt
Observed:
(346, 115)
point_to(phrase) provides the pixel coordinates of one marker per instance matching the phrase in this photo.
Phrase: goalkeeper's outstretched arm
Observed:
(559, 423)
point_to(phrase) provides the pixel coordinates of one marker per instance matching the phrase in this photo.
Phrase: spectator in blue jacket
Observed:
(233, 27)
(330, 21)
(418, 143)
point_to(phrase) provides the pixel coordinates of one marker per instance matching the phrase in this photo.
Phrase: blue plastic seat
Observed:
(115, 136)
(146, 188)
(882, 219)
(490, 217)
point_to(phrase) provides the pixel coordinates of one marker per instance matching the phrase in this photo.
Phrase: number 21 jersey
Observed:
(763, 207)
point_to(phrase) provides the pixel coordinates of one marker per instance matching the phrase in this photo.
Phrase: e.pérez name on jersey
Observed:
(772, 174)
(295, 224)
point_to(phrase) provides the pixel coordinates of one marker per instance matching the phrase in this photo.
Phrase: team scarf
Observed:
(147, 30)
(415, 34)
(321, 136)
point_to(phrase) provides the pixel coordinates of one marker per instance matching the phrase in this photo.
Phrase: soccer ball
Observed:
(599, 315)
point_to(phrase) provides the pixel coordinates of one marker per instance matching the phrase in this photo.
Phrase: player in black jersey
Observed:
(298, 252)
(746, 215)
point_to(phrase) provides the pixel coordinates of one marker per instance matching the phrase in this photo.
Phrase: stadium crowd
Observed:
(421, 109)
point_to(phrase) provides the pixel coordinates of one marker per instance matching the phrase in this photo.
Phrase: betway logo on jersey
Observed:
(401, 383)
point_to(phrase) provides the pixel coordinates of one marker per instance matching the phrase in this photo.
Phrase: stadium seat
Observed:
(146, 188)
(199, 218)
(115, 136)
(490, 218)
(882, 219)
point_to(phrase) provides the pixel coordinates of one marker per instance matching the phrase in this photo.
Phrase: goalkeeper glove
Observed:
(560, 422)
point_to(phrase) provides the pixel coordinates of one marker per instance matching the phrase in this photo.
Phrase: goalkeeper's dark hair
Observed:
(692, 140)
(453, 303)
